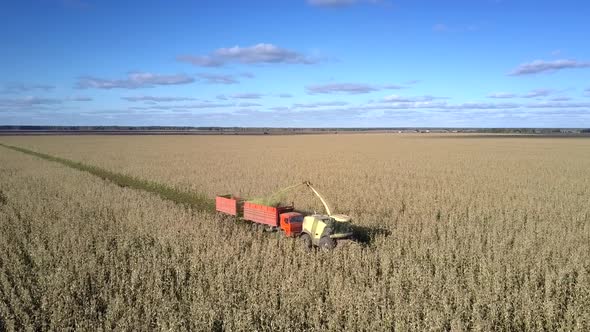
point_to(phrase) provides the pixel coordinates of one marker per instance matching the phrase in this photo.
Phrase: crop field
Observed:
(455, 233)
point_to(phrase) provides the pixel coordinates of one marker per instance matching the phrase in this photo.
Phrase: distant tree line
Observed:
(276, 130)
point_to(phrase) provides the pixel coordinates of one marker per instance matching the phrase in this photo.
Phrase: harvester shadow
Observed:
(365, 235)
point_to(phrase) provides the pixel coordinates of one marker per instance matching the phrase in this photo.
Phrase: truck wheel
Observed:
(326, 243)
(306, 241)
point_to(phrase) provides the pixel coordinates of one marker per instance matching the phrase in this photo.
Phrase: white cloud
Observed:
(80, 98)
(33, 102)
(156, 98)
(531, 94)
(279, 108)
(429, 104)
(558, 105)
(321, 104)
(184, 106)
(256, 54)
(560, 99)
(393, 87)
(223, 78)
(400, 99)
(248, 105)
(471, 105)
(14, 88)
(538, 93)
(348, 88)
(29, 101)
(218, 78)
(134, 80)
(502, 95)
(540, 66)
(247, 95)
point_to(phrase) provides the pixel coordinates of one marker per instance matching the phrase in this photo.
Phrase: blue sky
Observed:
(296, 63)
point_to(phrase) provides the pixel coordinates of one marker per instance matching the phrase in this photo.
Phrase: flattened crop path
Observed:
(190, 199)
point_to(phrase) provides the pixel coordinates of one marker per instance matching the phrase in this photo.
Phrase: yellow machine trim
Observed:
(314, 226)
(341, 235)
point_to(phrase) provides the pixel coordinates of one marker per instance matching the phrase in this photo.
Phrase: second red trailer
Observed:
(262, 214)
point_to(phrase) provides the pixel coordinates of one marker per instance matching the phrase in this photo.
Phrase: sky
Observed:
(295, 63)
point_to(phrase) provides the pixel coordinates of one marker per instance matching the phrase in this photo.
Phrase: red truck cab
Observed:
(291, 223)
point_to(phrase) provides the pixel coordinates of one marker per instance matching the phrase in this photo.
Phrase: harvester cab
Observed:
(324, 230)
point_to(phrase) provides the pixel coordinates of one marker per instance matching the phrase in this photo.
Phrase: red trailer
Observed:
(263, 214)
(229, 204)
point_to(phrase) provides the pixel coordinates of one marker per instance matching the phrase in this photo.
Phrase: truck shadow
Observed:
(366, 235)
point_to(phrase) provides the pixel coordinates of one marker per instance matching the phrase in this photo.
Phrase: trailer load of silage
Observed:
(276, 200)
(268, 201)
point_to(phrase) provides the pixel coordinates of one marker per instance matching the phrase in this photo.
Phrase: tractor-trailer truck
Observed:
(263, 217)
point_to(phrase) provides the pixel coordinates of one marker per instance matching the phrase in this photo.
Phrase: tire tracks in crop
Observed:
(193, 200)
(3, 199)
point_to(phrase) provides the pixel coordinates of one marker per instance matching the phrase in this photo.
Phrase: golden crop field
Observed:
(458, 233)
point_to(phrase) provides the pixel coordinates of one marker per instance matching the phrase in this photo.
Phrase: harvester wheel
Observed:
(306, 241)
(326, 243)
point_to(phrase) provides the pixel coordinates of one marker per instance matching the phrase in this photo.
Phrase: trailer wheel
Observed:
(306, 241)
(327, 243)
(254, 227)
